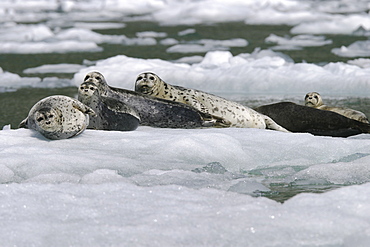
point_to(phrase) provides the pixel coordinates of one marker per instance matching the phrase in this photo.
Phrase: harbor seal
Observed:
(231, 112)
(314, 100)
(58, 117)
(299, 118)
(110, 114)
(152, 111)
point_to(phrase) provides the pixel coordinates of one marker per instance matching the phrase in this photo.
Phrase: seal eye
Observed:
(40, 119)
(86, 77)
(152, 78)
(91, 88)
(315, 97)
(98, 78)
(139, 78)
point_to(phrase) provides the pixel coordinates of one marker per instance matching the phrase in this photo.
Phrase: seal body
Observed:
(231, 113)
(110, 114)
(58, 117)
(299, 118)
(152, 111)
(314, 100)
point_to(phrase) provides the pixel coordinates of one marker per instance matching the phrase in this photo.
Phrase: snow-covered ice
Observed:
(356, 49)
(163, 187)
(259, 72)
(55, 68)
(296, 42)
(175, 187)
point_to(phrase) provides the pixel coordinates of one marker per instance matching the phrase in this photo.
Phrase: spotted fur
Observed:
(153, 111)
(314, 99)
(58, 117)
(235, 114)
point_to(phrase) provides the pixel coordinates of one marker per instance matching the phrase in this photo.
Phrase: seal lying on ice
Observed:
(314, 100)
(153, 111)
(236, 115)
(58, 117)
(299, 118)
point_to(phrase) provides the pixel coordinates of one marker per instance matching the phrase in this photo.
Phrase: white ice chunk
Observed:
(54, 68)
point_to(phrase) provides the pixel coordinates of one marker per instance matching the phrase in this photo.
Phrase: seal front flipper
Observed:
(23, 124)
(83, 108)
(118, 106)
(214, 121)
(118, 115)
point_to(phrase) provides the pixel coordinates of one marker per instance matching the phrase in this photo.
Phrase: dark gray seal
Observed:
(110, 114)
(299, 118)
(153, 111)
(58, 117)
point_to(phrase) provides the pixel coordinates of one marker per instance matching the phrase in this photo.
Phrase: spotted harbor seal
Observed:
(299, 118)
(58, 117)
(231, 112)
(110, 113)
(152, 111)
(314, 100)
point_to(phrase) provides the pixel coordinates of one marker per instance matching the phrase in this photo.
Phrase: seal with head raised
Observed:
(314, 100)
(58, 117)
(153, 111)
(299, 118)
(231, 112)
(110, 114)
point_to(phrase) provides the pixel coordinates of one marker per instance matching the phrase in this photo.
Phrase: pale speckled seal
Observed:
(58, 117)
(110, 114)
(314, 100)
(236, 115)
(299, 118)
(152, 111)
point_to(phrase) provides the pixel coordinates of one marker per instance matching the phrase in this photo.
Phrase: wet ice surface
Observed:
(182, 187)
(172, 187)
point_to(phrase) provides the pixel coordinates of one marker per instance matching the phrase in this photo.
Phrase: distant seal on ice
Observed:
(314, 100)
(299, 118)
(110, 113)
(58, 117)
(232, 113)
(153, 111)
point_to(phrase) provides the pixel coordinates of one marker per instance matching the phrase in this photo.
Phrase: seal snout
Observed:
(144, 88)
(143, 84)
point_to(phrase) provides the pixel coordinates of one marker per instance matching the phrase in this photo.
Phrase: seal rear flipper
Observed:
(271, 124)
